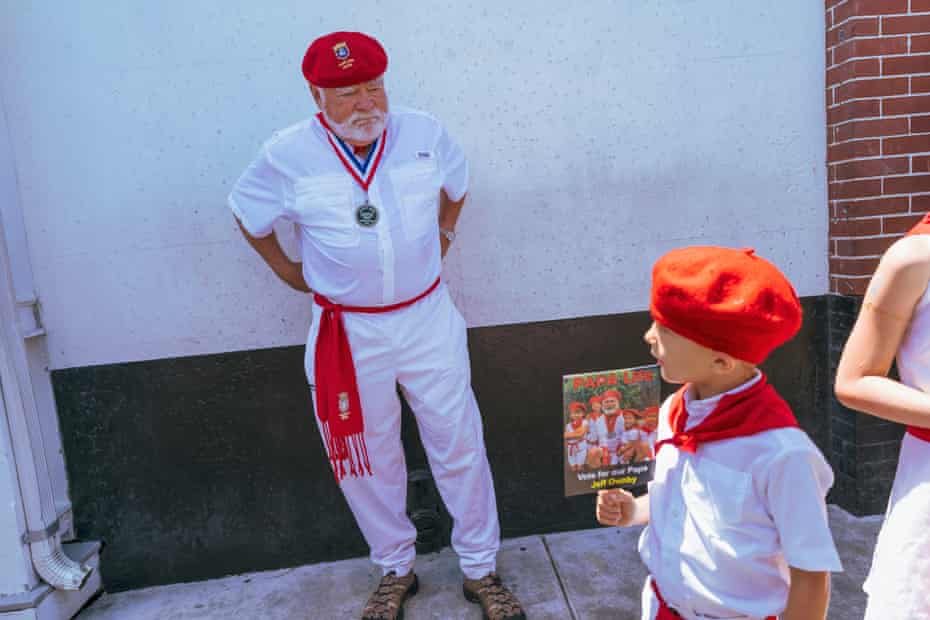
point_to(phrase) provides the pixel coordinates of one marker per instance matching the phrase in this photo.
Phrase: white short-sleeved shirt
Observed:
(597, 432)
(638, 434)
(568, 429)
(617, 434)
(649, 438)
(727, 521)
(298, 177)
(634, 434)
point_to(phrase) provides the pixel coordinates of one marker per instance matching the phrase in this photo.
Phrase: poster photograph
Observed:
(609, 420)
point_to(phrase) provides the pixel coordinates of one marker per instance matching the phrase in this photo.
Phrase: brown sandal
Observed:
(497, 602)
(387, 601)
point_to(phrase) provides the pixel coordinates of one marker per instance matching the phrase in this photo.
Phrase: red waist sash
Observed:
(338, 405)
(666, 612)
(919, 433)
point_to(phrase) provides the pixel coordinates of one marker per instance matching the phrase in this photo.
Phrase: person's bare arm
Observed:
(808, 595)
(627, 451)
(270, 250)
(448, 215)
(643, 451)
(861, 378)
(619, 508)
(580, 432)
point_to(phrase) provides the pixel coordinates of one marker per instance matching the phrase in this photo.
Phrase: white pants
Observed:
(612, 444)
(650, 607)
(423, 348)
(577, 452)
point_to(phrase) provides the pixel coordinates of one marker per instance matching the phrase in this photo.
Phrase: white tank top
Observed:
(914, 351)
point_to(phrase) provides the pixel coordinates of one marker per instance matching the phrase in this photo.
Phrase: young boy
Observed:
(647, 433)
(737, 524)
(596, 437)
(638, 441)
(628, 448)
(610, 407)
(575, 431)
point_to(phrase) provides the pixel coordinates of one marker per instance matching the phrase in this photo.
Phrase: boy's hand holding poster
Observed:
(610, 421)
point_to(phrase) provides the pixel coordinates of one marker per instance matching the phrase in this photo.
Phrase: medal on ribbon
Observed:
(363, 172)
(366, 215)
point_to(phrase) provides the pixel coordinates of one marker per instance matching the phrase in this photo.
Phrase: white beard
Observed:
(348, 131)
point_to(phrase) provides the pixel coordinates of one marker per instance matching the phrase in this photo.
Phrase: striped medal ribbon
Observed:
(363, 172)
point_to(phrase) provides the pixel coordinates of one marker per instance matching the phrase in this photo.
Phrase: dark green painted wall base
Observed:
(198, 467)
(863, 448)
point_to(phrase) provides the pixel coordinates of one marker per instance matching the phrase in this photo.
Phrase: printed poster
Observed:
(609, 421)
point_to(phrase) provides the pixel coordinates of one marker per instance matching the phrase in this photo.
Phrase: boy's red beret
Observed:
(727, 300)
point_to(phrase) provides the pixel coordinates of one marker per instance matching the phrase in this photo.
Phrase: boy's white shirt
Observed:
(597, 432)
(568, 429)
(728, 520)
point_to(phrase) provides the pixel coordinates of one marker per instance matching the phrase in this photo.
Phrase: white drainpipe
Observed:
(43, 536)
(19, 321)
(57, 569)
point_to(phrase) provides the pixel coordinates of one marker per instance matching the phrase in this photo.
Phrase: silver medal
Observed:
(366, 215)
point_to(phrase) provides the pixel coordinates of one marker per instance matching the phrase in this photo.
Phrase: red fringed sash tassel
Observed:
(338, 405)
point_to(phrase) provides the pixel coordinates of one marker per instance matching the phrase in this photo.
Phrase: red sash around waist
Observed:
(919, 433)
(666, 612)
(338, 405)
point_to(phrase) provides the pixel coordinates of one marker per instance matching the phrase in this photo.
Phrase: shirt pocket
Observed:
(323, 205)
(416, 186)
(715, 494)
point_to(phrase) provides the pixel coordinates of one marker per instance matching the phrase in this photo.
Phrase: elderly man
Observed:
(376, 194)
(610, 407)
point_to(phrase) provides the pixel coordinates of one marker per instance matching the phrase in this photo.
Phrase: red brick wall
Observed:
(878, 130)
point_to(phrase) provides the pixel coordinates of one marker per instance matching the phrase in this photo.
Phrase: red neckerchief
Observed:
(753, 410)
(576, 424)
(611, 421)
(922, 228)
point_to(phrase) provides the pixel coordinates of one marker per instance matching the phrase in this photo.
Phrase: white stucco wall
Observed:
(600, 134)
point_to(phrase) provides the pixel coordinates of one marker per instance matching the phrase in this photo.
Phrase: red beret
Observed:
(610, 394)
(340, 59)
(576, 406)
(726, 300)
(594, 399)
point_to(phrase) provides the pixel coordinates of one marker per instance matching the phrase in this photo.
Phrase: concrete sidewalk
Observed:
(583, 575)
